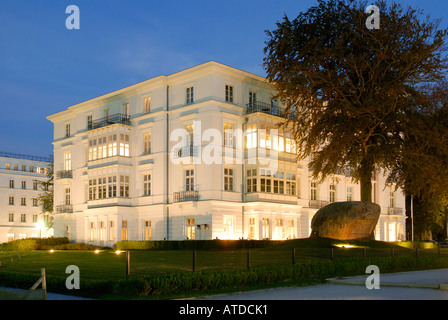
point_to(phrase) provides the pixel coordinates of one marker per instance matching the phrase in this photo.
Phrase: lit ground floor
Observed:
(15, 232)
(200, 220)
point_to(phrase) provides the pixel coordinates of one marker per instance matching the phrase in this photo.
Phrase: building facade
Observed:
(194, 155)
(21, 215)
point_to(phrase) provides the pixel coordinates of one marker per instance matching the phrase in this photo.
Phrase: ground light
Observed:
(345, 246)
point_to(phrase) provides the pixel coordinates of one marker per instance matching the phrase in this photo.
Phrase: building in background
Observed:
(20, 213)
(146, 163)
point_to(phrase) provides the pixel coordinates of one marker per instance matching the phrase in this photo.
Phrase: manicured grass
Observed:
(106, 265)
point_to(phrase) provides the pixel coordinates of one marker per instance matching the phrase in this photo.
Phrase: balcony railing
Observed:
(64, 208)
(394, 211)
(317, 204)
(64, 174)
(112, 119)
(192, 195)
(267, 108)
(188, 151)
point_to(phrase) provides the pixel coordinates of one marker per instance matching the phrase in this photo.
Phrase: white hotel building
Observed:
(124, 173)
(20, 213)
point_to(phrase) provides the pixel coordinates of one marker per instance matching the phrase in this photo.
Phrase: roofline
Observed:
(157, 78)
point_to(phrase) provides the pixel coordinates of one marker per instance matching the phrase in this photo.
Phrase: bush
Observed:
(195, 244)
(32, 244)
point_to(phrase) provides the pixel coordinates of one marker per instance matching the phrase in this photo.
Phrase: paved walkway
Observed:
(418, 285)
(50, 296)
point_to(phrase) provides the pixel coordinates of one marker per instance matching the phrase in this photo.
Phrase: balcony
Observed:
(106, 121)
(188, 151)
(64, 174)
(181, 196)
(395, 211)
(64, 208)
(267, 108)
(317, 204)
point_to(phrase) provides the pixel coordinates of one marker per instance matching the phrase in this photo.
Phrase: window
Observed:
(190, 95)
(111, 231)
(229, 227)
(8, 166)
(313, 195)
(23, 201)
(109, 146)
(92, 231)
(11, 184)
(124, 186)
(228, 179)
(391, 199)
(280, 230)
(147, 142)
(23, 167)
(252, 98)
(35, 185)
(251, 136)
(229, 93)
(124, 145)
(124, 230)
(67, 197)
(112, 186)
(147, 232)
(11, 200)
(228, 135)
(23, 217)
(265, 180)
(16, 167)
(291, 184)
(251, 228)
(332, 193)
(35, 203)
(67, 129)
(35, 218)
(349, 193)
(11, 217)
(147, 105)
(106, 114)
(251, 180)
(67, 161)
(190, 229)
(31, 168)
(102, 230)
(190, 134)
(189, 180)
(89, 121)
(92, 189)
(265, 228)
(126, 109)
(147, 185)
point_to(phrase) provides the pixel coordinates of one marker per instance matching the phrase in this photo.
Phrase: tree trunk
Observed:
(365, 179)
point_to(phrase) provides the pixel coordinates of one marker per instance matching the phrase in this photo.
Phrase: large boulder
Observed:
(349, 220)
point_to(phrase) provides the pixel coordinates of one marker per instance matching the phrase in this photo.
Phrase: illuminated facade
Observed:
(194, 155)
(21, 215)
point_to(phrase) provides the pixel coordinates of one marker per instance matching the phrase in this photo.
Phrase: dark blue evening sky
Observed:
(44, 67)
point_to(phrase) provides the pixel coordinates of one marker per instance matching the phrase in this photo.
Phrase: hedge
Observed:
(196, 244)
(33, 244)
(188, 282)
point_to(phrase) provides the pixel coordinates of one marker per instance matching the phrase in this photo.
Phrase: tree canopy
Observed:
(350, 91)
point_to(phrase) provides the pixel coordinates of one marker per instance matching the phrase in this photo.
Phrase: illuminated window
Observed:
(147, 231)
(147, 142)
(251, 228)
(228, 134)
(229, 227)
(92, 231)
(265, 228)
(251, 136)
(190, 229)
(111, 231)
(124, 230)
(7, 166)
(147, 105)
(67, 161)
(102, 230)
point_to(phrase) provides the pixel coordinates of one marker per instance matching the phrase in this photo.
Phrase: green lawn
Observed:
(107, 265)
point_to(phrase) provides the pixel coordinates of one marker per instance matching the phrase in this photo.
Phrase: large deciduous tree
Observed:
(348, 89)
